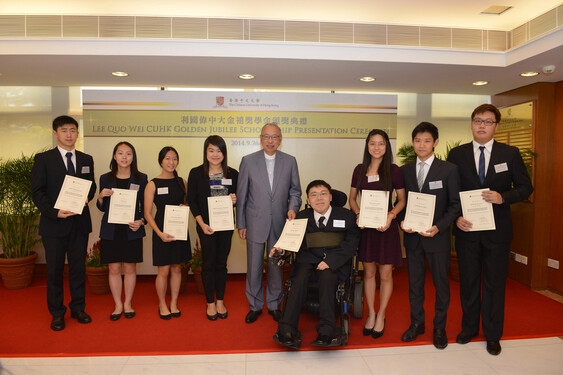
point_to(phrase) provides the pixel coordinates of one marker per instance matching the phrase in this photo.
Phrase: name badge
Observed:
(226, 182)
(374, 178)
(435, 185)
(339, 223)
(502, 167)
(134, 187)
(162, 190)
(86, 169)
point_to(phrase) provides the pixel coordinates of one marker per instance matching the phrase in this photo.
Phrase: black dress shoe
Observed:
(223, 316)
(175, 314)
(252, 316)
(440, 339)
(81, 316)
(464, 337)
(212, 317)
(287, 339)
(368, 331)
(129, 315)
(164, 317)
(493, 347)
(377, 334)
(277, 314)
(114, 317)
(58, 323)
(412, 332)
(322, 340)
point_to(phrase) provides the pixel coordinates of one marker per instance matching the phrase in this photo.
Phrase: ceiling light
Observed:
(367, 79)
(246, 76)
(480, 83)
(496, 9)
(529, 74)
(119, 74)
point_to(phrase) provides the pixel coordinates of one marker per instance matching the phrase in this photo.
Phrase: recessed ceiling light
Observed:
(246, 76)
(119, 74)
(529, 74)
(480, 83)
(367, 79)
(496, 9)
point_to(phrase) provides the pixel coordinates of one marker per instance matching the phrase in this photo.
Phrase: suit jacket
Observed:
(48, 174)
(336, 256)
(513, 185)
(199, 191)
(259, 207)
(107, 230)
(448, 207)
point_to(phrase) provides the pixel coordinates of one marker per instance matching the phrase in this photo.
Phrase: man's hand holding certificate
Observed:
(221, 213)
(373, 209)
(292, 235)
(122, 206)
(420, 212)
(73, 195)
(176, 221)
(477, 211)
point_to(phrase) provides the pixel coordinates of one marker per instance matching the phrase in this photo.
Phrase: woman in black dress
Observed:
(211, 179)
(167, 252)
(381, 245)
(121, 245)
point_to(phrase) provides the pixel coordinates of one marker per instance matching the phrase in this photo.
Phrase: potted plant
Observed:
(196, 264)
(96, 272)
(18, 223)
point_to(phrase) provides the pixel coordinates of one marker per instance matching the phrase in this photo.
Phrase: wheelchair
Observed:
(349, 293)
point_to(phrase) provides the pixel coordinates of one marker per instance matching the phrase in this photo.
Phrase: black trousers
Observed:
(74, 246)
(439, 264)
(328, 283)
(215, 251)
(483, 268)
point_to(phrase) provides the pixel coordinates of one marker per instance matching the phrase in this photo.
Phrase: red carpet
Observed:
(24, 327)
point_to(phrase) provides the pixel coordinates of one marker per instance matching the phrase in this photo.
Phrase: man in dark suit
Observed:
(331, 240)
(63, 232)
(268, 193)
(483, 255)
(430, 175)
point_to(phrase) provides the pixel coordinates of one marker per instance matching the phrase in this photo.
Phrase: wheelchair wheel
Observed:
(358, 298)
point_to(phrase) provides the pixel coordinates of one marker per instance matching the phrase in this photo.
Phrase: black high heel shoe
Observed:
(378, 334)
(369, 331)
(164, 317)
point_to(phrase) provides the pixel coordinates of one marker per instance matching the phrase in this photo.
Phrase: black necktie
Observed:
(482, 165)
(69, 165)
(322, 226)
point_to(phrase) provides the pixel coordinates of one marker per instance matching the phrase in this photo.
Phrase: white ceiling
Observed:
(217, 64)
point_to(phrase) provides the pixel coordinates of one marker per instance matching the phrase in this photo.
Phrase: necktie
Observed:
(322, 226)
(482, 165)
(69, 165)
(420, 177)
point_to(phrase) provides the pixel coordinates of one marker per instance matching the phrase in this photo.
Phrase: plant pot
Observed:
(454, 267)
(17, 273)
(183, 281)
(98, 280)
(198, 280)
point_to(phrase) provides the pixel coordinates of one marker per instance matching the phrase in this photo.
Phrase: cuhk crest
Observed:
(220, 100)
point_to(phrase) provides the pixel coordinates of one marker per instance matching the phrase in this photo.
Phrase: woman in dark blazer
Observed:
(121, 245)
(212, 178)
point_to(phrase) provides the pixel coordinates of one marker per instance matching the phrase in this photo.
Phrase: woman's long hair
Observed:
(112, 175)
(219, 142)
(162, 155)
(384, 170)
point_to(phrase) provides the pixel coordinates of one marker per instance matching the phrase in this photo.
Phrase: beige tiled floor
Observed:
(530, 356)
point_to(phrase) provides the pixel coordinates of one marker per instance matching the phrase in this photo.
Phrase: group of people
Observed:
(267, 192)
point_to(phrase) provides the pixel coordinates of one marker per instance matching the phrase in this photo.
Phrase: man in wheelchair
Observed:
(330, 242)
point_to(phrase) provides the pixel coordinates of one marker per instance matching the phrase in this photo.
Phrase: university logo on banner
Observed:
(220, 101)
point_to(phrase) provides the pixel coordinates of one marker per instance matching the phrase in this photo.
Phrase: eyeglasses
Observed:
(479, 121)
(272, 137)
(321, 194)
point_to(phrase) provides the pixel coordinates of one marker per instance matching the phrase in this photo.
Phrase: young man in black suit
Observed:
(63, 232)
(483, 255)
(430, 175)
(332, 238)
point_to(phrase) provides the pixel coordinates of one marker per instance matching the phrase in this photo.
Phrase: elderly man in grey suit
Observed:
(268, 193)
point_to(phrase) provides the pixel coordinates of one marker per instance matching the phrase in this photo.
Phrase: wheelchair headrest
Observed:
(339, 198)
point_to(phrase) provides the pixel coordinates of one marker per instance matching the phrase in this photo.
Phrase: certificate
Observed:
(122, 205)
(419, 215)
(292, 235)
(476, 210)
(374, 208)
(176, 221)
(73, 195)
(221, 213)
